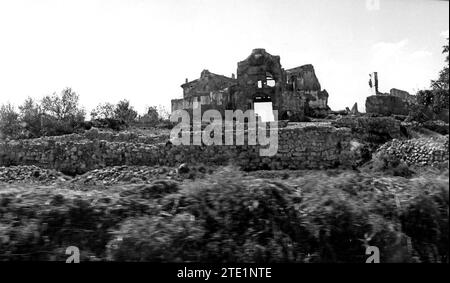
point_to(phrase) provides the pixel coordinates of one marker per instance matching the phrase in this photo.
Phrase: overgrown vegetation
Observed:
(389, 165)
(55, 114)
(60, 114)
(9, 122)
(443, 81)
(230, 217)
(434, 100)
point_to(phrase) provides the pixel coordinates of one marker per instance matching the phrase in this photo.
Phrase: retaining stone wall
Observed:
(313, 147)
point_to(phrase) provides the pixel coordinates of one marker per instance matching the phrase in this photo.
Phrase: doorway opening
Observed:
(263, 108)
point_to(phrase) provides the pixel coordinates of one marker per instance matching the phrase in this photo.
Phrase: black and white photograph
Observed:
(224, 137)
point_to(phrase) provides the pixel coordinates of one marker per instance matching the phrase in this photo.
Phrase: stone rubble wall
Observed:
(419, 152)
(95, 134)
(312, 147)
(33, 174)
(123, 136)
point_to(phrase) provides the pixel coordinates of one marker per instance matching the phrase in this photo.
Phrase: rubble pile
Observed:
(31, 173)
(421, 152)
(139, 174)
(125, 136)
(126, 174)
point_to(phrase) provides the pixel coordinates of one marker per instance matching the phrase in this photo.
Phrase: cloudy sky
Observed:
(143, 50)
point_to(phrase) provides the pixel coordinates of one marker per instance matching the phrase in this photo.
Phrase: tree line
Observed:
(61, 113)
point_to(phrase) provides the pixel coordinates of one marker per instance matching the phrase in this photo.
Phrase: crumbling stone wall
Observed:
(411, 99)
(386, 105)
(311, 147)
(304, 82)
(260, 78)
(303, 78)
(206, 83)
(372, 129)
(210, 90)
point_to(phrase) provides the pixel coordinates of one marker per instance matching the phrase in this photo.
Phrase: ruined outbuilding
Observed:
(260, 78)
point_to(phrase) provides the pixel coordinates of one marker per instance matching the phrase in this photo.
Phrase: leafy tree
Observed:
(125, 112)
(442, 83)
(30, 115)
(9, 121)
(61, 114)
(151, 117)
(63, 107)
(440, 100)
(155, 116)
(419, 113)
(163, 113)
(425, 97)
(103, 111)
(437, 98)
(152, 113)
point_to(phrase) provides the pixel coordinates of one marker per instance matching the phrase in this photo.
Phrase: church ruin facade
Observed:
(294, 93)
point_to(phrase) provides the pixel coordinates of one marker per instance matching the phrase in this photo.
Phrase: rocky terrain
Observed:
(421, 151)
(391, 192)
(295, 217)
(30, 174)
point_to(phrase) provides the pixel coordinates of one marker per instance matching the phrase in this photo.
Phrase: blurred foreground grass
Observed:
(232, 216)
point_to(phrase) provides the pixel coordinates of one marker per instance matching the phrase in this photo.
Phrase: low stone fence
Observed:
(313, 147)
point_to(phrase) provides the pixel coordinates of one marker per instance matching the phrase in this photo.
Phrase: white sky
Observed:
(143, 50)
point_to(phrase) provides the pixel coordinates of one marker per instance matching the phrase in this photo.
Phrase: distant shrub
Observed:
(155, 116)
(109, 123)
(419, 113)
(150, 117)
(166, 124)
(103, 111)
(125, 112)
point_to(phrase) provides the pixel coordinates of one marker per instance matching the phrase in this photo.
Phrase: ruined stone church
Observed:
(260, 78)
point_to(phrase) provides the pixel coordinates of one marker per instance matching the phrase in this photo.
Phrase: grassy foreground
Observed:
(231, 216)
